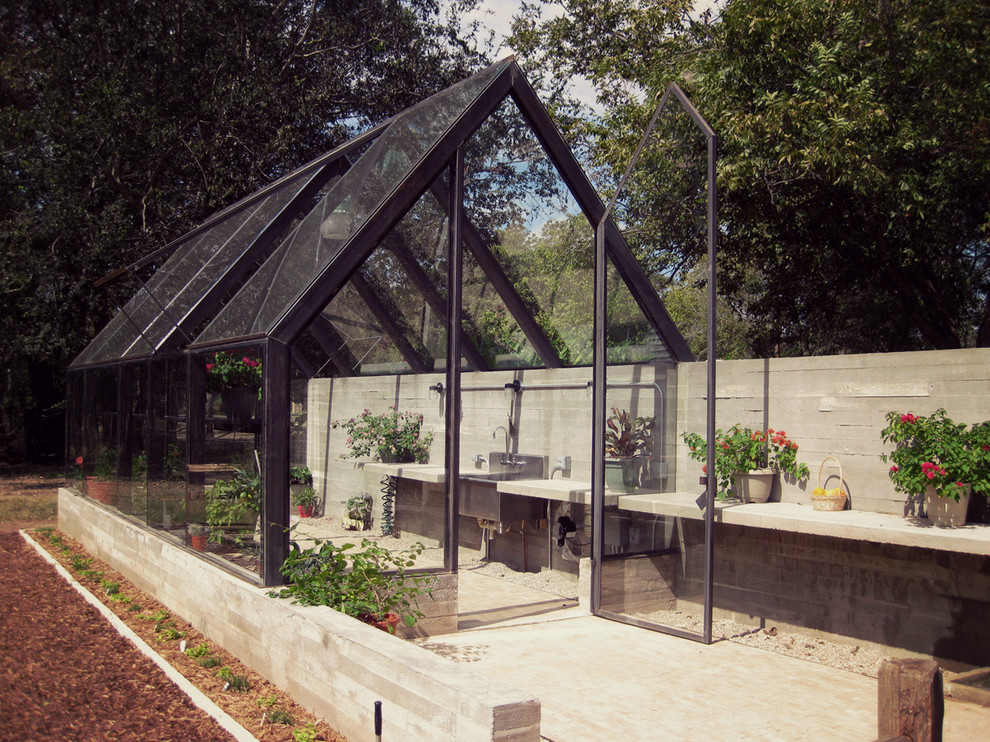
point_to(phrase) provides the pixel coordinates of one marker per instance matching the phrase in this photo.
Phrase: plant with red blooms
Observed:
(745, 450)
(935, 451)
(231, 368)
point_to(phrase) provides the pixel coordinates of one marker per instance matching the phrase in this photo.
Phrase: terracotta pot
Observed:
(305, 511)
(198, 541)
(754, 486)
(388, 623)
(945, 511)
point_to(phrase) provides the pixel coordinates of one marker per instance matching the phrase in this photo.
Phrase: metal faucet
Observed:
(495, 433)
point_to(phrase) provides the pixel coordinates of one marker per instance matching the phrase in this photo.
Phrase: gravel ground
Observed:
(864, 660)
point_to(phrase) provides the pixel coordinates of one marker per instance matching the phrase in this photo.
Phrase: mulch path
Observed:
(67, 674)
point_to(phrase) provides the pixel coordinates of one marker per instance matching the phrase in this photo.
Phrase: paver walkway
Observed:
(602, 681)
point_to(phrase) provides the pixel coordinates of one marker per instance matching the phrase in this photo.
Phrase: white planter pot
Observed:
(754, 486)
(945, 511)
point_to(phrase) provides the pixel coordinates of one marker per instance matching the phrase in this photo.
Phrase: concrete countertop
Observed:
(781, 516)
(852, 524)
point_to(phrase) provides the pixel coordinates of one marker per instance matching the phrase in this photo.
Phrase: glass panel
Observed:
(522, 213)
(164, 503)
(329, 226)
(225, 455)
(653, 566)
(186, 276)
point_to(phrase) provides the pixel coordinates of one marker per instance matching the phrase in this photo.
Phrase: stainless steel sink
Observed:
(481, 499)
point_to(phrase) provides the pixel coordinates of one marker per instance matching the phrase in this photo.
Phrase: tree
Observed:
(125, 123)
(854, 157)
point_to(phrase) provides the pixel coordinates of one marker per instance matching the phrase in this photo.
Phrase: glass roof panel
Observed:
(324, 232)
(521, 208)
(189, 272)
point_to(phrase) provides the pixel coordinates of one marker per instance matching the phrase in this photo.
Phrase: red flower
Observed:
(930, 474)
(209, 366)
(79, 460)
(909, 418)
(894, 469)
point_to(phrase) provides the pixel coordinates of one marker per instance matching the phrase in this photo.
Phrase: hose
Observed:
(388, 505)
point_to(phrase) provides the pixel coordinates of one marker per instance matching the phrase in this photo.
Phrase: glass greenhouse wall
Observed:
(436, 275)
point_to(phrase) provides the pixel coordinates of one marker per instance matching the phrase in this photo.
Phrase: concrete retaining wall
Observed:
(332, 664)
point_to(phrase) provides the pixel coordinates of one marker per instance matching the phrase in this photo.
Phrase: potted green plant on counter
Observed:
(940, 460)
(390, 437)
(627, 440)
(747, 461)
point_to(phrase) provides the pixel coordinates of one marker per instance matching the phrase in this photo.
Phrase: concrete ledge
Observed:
(330, 663)
(852, 524)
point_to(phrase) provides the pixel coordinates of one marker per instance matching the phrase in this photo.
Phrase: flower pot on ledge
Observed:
(622, 474)
(945, 511)
(305, 511)
(755, 485)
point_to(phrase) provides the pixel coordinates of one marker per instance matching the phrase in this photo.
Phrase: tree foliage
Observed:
(124, 123)
(854, 155)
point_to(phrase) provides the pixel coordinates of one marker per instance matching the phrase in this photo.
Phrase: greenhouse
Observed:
(461, 228)
(439, 332)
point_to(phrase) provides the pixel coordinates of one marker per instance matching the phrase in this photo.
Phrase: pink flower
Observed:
(960, 485)
(250, 362)
(909, 418)
(930, 474)
(209, 366)
(894, 469)
(79, 460)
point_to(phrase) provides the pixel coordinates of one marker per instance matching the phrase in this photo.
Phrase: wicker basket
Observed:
(830, 500)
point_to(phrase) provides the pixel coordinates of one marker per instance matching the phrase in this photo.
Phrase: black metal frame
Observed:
(605, 248)
(442, 163)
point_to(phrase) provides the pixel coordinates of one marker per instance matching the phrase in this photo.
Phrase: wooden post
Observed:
(910, 700)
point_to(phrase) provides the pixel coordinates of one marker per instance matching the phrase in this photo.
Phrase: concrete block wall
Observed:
(332, 664)
(550, 417)
(834, 405)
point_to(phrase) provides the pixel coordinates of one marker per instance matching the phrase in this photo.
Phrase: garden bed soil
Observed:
(69, 675)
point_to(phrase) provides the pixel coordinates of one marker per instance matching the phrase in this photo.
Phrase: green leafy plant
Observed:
(368, 583)
(267, 701)
(79, 563)
(230, 502)
(281, 716)
(300, 475)
(170, 634)
(200, 650)
(305, 734)
(359, 507)
(389, 436)
(106, 464)
(174, 465)
(208, 661)
(626, 436)
(744, 450)
(305, 498)
(935, 451)
(109, 587)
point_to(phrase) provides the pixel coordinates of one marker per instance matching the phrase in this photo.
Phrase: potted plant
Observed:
(198, 533)
(626, 438)
(358, 512)
(305, 500)
(300, 475)
(233, 505)
(747, 461)
(237, 378)
(391, 437)
(102, 487)
(942, 460)
(372, 583)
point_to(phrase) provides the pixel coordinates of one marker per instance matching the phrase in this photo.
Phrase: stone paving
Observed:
(603, 681)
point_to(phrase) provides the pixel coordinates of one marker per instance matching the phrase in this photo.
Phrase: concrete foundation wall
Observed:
(834, 405)
(922, 601)
(332, 664)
